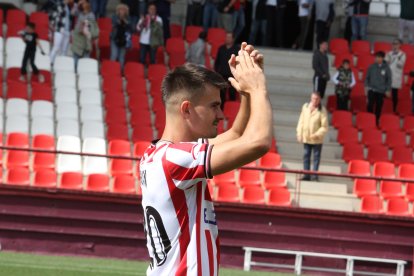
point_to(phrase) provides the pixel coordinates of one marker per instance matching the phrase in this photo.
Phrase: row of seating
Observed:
(394, 206)
(16, 21)
(387, 189)
(377, 153)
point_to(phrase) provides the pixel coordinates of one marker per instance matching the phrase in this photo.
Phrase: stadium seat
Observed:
(406, 171)
(116, 115)
(18, 176)
(17, 90)
(230, 109)
(97, 183)
(228, 193)
(382, 46)
(396, 139)
(371, 136)
(249, 178)
(110, 68)
(389, 122)
(90, 97)
(176, 30)
(409, 193)
(17, 158)
(365, 120)
(87, 65)
(175, 45)
(41, 141)
(41, 109)
(67, 111)
(91, 112)
(45, 178)
(227, 178)
(390, 189)
(142, 134)
(360, 47)
(65, 79)
(338, 46)
(17, 107)
(156, 71)
(253, 195)
(339, 59)
(120, 167)
(65, 95)
(42, 125)
(358, 90)
(274, 180)
(176, 59)
(116, 132)
(119, 147)
(134, 70)
(17, 139)
(192, 33)
(69, 162)
(279, 197)
(372, 204)
(364, 61)
(401, 155)
(104, 23)
(384, 169)
(353, 152)
(88, 80)
(92, 164)
(398, 207)
(39, 19)
(365, 187)
(347, 135)
(16, 123)
(67, 127)
(42, 160)
(124, 184)
(359, 167)
(140, 147)
(408, 125)
(71, 180)
(358, 104)
(136, 86)
(341, 118)
(270, 160)
(112, 84)
(15, 17)
(64, 64)
(216, 36)
(404, 108)
(377, 153)
(93, 129)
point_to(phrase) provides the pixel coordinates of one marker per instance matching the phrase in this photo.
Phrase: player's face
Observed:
(207, 113)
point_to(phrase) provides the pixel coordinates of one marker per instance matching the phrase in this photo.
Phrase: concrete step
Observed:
(328, 202)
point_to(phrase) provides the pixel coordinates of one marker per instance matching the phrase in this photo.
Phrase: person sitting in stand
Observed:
(344, 80)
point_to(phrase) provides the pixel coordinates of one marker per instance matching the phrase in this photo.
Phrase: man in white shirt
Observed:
(304, 7)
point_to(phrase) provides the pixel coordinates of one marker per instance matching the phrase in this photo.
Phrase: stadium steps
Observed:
(328, 201)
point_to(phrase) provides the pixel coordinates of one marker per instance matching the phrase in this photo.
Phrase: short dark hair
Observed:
(202, 35)
(31, 25)
(380, 54)
(399, 41)
(191, 78)
(346, 61)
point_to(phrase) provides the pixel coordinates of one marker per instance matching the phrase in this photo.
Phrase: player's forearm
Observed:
(242, 117)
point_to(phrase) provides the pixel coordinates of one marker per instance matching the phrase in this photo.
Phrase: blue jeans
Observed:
(317, 150)
(210, 15)
(118, 53)
(239, 22)
(258, 25)
(144, 49)
(99, 7)
(359, 27)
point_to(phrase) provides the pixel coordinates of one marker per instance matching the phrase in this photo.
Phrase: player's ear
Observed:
(185, 109)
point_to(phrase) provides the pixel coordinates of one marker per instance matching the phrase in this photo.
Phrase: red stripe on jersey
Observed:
(180, 205)
(218, 253)
(182, 173)
(210, 252)
(198, 231)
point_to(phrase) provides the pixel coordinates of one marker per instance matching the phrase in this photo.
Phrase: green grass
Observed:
(22, 264)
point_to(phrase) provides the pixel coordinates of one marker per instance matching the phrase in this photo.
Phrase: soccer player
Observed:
(180, 223)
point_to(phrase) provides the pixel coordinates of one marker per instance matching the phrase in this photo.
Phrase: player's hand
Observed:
(43, 52)
(299, 138)
(248, 75)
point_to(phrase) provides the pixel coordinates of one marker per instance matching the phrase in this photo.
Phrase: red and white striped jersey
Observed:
(180, 223)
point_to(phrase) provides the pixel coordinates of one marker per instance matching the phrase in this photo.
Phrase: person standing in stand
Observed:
(304, 14)
(258, 22)
(396, 60)
(121, 34)
(320, 64)
(344, 80)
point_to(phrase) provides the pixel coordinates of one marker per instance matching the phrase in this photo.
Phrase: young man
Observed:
(311, 129)
(396, 60)
(344, 80)
(324, 17)
(320, 64)
(31, 39)
(378, 83)
(180, 223)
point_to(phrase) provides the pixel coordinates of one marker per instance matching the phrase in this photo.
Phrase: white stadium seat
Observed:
(67, 127)
(94, 164)
(43, 62)
(64, 64)
(93, 129)
(69, 162)
(377, 8)
(88, 81)
(17, 123)
(394, 10)
(17, 106)
(14, 44)
(67, 111)
(14, 60)
(42, 125)
(45, 46)
(88, 65)
(65, 95)
(41, 109)
(91, 113)
(65, 79)
(90, 96)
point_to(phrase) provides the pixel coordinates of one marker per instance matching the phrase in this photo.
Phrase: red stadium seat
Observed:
(140, 147)
(396, 139)
(17, 89)
(43, 160)
(230, 109)
(71, 180)
(364, 61)
(17, 158)
(382, 46)
(114, 100)
(43, 141)
(341, 118)
(279, 197)
(365, 120)
(216, 36)
(45, 178)
(273, 147)
(331, 103)
(116, 115)
(347, 135)
(17, 139)
(156, 71)
(358, 90)
(141, 118)
(360, 47)
(404, 108)
(270, 160)
(120, 167)
(176, 30)
(353, 152)
(227, 178)
(39, 19)
(358, 104)
(387, 107)
(174, 46)
(274, 180)
(124, 184)
(15, 17)
(116, 132)
(41, 91)
(409, 66)
(398, 207)
(98, 183)
(384, 169)
(110, 68)
(409, 193)
(176, 59)
(192, 33)
(406, 171)
(389, 122)
(371, 136)
(408, 49)
(365, 187)
(372, 204)
(18, 176)
(359, 167)
(14, 30)
(249, 178)
(340, 57)
(104, 44)
(104, 24)
(119, 147)
(253, 195)
(228, 193)
(391, 189)
(408, 125)
(338, 46)
(377, 153)
(133, 53)
(142, 134)
(401, 155)
(134, 70)
(112, 84)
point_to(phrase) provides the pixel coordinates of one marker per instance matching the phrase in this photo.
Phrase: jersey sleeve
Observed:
(188, 163)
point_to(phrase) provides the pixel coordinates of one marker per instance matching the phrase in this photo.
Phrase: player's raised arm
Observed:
(257, 136)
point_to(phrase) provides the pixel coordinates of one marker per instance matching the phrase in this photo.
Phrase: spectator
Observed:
(311, 129)
(304, 14)
(344, 80)
(60, 23)
(258, 22)
(225, 18)
(239, 20)
(31, 40)
(324, 16)
(396, 60)
(349, 10)
(406, 20)
(360, 19)
(320, 64)
(275, 11)
(196, 52)
(121, 34)
(221, 65)
(195, 12)
(85, 32)
(164, 11)
(134, 11)
(378, 83)
(210, 14)
(152, 35)
(99, 7)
